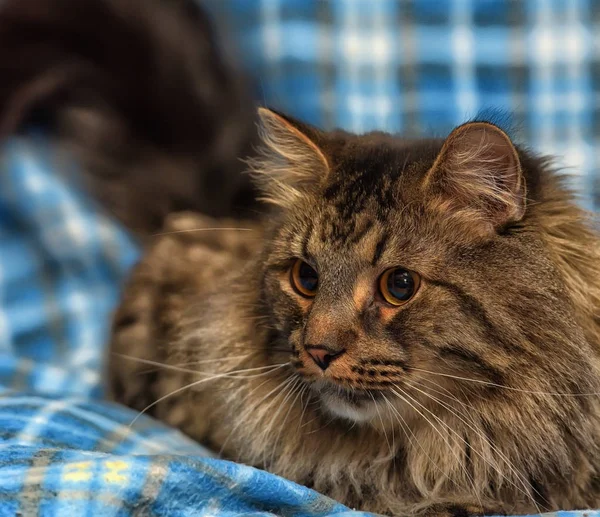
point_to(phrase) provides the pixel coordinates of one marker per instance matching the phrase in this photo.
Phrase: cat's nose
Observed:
(322, 355)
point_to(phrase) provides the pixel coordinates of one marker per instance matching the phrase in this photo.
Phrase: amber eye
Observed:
(304, 279)
(398, 285)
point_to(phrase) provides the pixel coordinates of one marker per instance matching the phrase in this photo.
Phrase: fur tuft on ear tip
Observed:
(478, 171)
(289, 162)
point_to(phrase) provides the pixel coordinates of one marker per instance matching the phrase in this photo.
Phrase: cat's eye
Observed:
(398, 285)
(304, 279)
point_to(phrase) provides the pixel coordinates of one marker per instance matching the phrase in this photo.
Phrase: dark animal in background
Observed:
(140, 91)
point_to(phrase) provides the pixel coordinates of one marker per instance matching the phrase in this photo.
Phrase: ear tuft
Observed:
(289, 162)
(478, 173)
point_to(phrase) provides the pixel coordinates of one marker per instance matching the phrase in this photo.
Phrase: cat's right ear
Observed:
(289, 163)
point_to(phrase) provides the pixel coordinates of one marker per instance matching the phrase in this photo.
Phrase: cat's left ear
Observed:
(478, 174)
(290, 161)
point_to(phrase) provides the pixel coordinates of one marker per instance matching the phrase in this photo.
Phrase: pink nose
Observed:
(322, 355)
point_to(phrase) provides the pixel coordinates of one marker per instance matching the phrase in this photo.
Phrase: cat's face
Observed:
(392, 286)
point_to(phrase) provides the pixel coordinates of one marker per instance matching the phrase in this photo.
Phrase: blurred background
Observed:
(423, 67)
(417, 67)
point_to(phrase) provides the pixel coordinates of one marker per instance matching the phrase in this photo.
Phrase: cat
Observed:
(140, 93)
(412, 329)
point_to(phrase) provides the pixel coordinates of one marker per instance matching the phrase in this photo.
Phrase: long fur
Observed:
(491, 374)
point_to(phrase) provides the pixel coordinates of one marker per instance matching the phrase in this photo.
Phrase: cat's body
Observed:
(476, 395)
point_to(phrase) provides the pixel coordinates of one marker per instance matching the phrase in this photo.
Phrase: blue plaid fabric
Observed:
(425, 66)
(406, 66)
(62, 263)
(76, 457)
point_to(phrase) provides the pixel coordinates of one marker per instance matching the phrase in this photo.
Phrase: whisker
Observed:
(461, 438)
(253, 407)
(304, 405)
(467, 475)
(508, 463)
(393, 437)
(388, 404)
(164, 365)
(206, 361)
(267, 430)
(201, 381)
(495, 385)
(262, 348)
(190, 363)
(323, 426)
(382, 428)
(282, 425)
(404, 426)
(233, 228)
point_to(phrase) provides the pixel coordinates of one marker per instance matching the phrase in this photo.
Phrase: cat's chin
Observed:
(356, 406)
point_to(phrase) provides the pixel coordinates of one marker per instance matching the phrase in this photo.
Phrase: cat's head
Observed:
(399, 272)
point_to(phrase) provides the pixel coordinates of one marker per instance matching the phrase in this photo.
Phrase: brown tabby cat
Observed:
(414, 330)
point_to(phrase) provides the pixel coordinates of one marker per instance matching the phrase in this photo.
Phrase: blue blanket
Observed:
(72, 456)
(63, 451)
